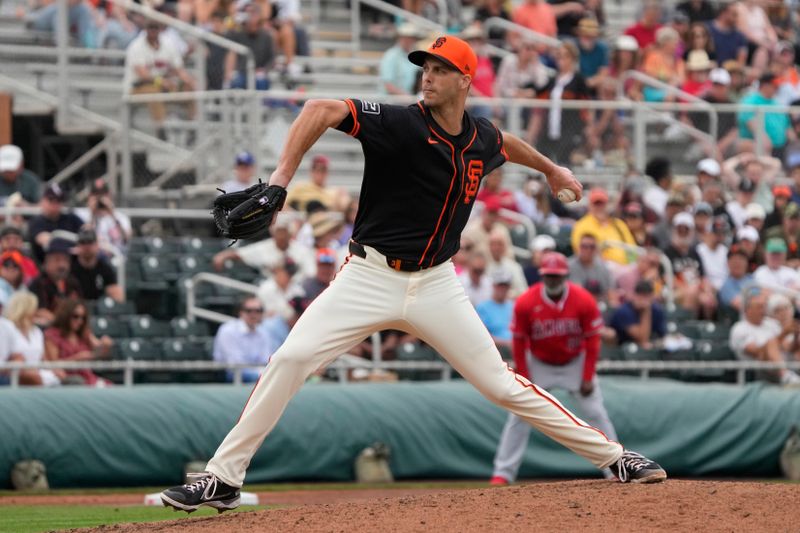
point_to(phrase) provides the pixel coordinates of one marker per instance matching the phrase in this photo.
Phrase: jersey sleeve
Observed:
(378, 126)
(494, 153)
(591, 319)
(520, 318)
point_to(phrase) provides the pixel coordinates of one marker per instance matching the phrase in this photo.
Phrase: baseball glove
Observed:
(247, 214)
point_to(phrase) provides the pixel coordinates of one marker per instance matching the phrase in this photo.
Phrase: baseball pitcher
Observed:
(423, 165)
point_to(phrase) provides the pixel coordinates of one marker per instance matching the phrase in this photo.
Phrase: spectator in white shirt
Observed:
(244, 173)
(475, 280)
(756, 337)
(499, 243)
(153, 65)
(655, 197)
(264, 255)
(27, 340)
(241, 341)
(737, 208)
(113, 228)
(775, 274)
(279, 290)
(713, 252)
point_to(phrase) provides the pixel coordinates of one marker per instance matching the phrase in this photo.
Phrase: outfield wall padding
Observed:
(145, 435)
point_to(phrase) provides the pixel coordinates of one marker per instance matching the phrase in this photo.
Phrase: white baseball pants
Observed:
(516, 432)
(366, 296)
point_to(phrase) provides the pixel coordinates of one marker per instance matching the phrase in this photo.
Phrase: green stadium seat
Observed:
(184, 350)
(185, 327)
(137, 247)
(107, 306)
(203, 291)
(417, 351)
(239, 271)
(158, 269)
(138, 349)
(162, 246)
(707, 350)
(519, 236)
(564, 240)
(111, 326)
(196, 246)
(715, 332)
(190, 264)
(146, 327)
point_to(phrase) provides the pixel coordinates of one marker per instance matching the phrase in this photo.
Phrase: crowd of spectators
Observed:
(52, 266)
(716, 243)
(723, 53)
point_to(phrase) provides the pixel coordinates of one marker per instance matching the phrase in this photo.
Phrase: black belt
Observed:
(403, 265)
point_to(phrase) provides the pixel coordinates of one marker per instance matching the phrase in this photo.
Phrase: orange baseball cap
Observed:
(451, 50)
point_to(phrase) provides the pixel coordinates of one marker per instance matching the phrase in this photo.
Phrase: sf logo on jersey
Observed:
(474, 174)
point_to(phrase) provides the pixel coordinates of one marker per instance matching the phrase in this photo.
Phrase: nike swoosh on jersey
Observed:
(431, 141)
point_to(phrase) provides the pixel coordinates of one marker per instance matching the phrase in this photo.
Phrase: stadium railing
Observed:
(245, 115)
(344, 364)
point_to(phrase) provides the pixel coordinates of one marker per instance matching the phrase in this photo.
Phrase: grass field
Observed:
(35, 518)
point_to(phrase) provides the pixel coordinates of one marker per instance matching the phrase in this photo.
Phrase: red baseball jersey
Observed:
(557, 332)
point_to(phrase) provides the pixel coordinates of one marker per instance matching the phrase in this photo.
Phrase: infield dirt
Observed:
(587, 505)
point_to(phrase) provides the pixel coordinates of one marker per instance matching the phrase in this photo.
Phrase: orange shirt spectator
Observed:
(537, 15)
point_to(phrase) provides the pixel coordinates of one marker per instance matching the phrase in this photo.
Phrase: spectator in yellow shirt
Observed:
(315, 189)
(604, 227)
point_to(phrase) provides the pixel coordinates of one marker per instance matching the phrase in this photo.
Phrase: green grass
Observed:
(266, 487)
(35, 518)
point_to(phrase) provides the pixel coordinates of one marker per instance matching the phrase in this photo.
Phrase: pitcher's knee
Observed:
(295, 356)
(498, 393)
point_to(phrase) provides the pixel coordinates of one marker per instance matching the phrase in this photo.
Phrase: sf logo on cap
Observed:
(439, 42)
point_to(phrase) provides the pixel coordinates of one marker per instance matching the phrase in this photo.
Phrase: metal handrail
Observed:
(526, 33)
(89, 116)
(380, 5)
(710, 137)
(128, 366)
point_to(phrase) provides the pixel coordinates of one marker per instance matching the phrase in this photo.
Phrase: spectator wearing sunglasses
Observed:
(241, 341)
(588, 270)
(71, 339)
(610, 231)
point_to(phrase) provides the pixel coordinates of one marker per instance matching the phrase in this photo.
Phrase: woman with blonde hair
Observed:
(28, 341)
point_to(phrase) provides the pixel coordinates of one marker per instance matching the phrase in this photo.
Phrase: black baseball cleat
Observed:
(208, 490)
(634, 467)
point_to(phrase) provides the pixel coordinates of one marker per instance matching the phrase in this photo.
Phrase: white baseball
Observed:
(566, 196)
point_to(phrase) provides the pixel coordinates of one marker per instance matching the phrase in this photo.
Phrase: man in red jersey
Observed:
(556, 326)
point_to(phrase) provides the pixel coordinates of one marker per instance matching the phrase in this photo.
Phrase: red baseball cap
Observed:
(598, 195)
(782, 190)
(555, 264)
(450, 50)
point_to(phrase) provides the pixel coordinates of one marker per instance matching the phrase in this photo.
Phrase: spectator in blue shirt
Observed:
(398, 75)
(593, 53)
(729, 43)
(730, 294)
(641, 319)
(496, 312)
(777, 127)
(243, 341)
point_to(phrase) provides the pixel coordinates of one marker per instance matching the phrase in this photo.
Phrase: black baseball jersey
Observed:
(419, 181)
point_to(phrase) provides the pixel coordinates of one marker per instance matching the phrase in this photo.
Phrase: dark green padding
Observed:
(144, 435)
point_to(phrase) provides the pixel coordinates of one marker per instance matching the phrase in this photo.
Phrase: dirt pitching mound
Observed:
(592, 505)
